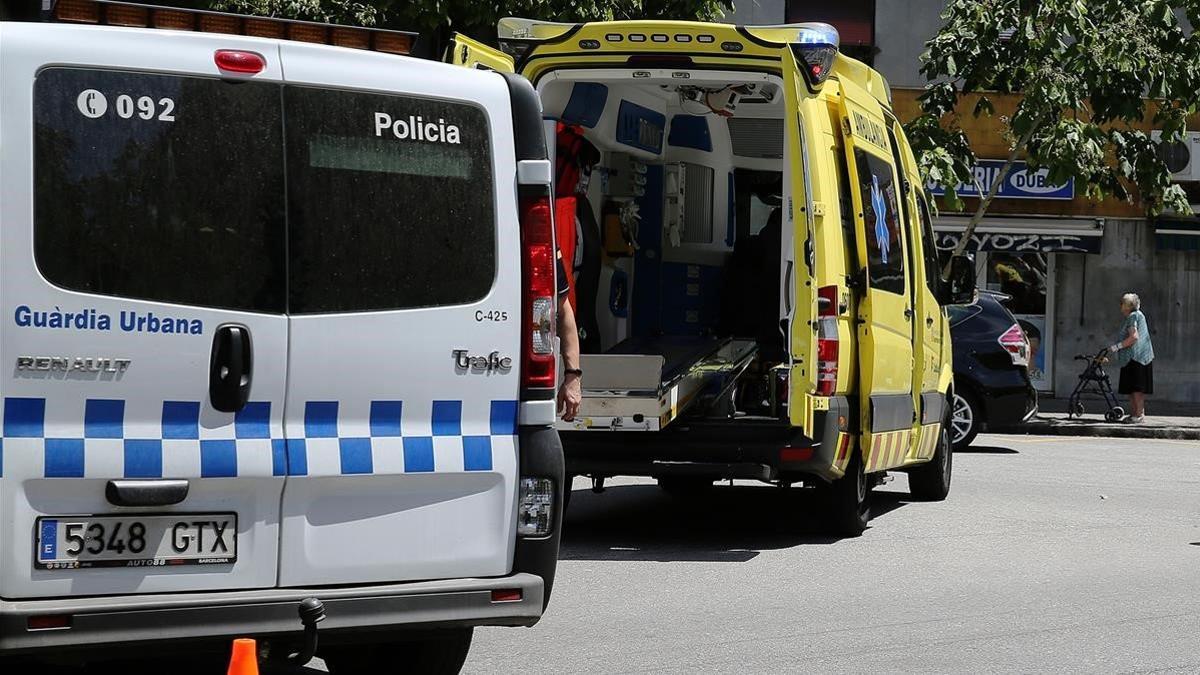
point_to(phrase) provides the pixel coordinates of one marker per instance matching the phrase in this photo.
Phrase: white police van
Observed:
(277, 324)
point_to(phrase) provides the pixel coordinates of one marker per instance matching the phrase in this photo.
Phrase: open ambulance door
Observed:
(885, 309)
(464, 51)
(798, 301)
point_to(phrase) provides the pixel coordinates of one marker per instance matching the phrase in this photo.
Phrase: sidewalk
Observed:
(1166, 420)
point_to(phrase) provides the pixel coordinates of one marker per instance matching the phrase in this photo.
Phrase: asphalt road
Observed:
(1051, 554)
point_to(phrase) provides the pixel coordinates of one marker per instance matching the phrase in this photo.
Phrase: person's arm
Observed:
(570, 393)
(1131, 339)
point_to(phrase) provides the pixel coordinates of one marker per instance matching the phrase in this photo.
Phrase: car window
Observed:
(390, 201)
(960, 313)
(160, 187)
(885, 247)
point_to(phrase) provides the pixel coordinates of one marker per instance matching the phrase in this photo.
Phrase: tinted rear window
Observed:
(885, 252)
(390, 202)
(160, 187)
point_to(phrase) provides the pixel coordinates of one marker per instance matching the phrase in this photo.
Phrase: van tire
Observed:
(930, 482)
(847, 500)
(441, 654)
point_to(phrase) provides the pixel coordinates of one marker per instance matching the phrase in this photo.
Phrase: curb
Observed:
(1041, 427)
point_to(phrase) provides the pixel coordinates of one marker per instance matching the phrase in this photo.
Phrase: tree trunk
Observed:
(986, 200)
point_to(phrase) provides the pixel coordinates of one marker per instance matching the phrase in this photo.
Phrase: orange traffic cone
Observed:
(245, 658)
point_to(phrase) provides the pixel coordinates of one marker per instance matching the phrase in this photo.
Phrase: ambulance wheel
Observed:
(847, 500)
(930, 482)
(442, 654)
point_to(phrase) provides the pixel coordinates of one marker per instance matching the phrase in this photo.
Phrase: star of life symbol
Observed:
(882, 237)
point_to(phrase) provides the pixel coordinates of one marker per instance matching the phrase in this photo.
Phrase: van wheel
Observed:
(966, 417)
(443, 654)
(930, 482)
(847, 500)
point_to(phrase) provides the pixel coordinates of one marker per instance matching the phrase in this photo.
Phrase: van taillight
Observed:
(1016, 344)
(827, 340)
(538, 298)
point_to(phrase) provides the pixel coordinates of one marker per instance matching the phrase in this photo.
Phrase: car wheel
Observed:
(930, 482)
(965, 419)
(847, 500)
(442, 654)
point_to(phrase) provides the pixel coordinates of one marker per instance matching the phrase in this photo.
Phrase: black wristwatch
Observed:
(573, 371)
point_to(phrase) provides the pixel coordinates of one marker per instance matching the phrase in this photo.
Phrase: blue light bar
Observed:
(817, 33)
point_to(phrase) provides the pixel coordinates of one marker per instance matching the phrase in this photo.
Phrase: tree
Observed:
(1088, 72)
(477, 19)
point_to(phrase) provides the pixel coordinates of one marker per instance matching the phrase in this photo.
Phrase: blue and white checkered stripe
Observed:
(176, 443)
(335, 441)
(222, 445)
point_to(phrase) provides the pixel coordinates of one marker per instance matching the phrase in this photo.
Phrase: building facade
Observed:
(1064, 258)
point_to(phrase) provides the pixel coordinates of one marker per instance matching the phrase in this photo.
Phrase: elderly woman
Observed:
(1134, 355)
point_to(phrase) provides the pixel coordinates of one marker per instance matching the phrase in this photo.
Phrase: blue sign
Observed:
(1020, 183)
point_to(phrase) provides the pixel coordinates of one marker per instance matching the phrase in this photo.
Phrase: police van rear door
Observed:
(144, 335)
(404, 308)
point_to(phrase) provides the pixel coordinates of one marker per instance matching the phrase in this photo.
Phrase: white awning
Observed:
(1019, 235)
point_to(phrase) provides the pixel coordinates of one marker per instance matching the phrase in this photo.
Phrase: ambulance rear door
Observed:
(144, 336)
(798, 301)
(405, 287)
(464, 51)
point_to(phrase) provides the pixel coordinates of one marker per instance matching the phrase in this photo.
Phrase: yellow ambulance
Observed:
(752, 258)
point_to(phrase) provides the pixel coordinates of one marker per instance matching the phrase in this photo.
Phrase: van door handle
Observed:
(908, 314)
(145, 492)
(230, 368)
(929, 321)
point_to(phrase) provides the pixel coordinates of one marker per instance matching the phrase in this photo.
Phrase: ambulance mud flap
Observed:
(541, 456)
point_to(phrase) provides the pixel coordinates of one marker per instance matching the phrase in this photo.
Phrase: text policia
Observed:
(417, 129)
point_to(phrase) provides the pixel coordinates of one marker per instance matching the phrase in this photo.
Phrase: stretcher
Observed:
(644, 384)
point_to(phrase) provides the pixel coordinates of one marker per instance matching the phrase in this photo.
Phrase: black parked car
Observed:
(991, 374)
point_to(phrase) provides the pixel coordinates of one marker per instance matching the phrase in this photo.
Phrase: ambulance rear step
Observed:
(644, 385)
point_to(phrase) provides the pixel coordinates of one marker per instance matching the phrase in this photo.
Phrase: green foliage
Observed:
(477, 19)
(1087, 72)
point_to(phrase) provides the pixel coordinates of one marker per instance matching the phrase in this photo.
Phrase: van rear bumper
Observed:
(146, 619)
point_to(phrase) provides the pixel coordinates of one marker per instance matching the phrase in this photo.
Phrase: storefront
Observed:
(1016, 256)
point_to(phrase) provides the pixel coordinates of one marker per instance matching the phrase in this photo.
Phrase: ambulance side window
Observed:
(160, 187)
(933, 271)
(885, 240)
(390, 201)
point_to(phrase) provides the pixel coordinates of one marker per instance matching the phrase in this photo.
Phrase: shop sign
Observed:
(1020, 243)
(1020, 183)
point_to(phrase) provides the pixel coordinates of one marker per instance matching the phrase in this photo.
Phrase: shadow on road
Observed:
(986, 450)
(726, 524)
